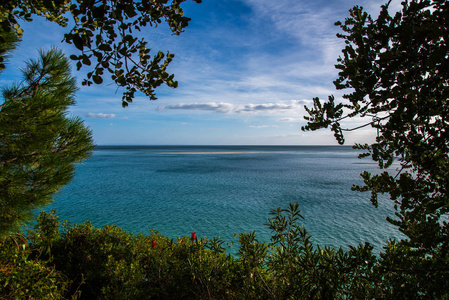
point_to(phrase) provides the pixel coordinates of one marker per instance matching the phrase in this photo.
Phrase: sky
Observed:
(245, 68)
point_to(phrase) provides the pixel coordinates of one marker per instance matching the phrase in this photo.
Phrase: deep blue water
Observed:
(219, 191)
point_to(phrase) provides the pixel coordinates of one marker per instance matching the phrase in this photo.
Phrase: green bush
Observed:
(110, 263)
(22, 277)
(60, 260)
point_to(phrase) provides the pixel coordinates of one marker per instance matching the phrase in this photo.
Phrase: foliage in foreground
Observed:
(395, 73)
(62, 261)
(39, 143)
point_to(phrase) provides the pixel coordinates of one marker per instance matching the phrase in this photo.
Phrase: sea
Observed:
(221, 191)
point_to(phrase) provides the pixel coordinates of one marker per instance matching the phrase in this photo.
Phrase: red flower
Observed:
(193, 236)
(153, 244)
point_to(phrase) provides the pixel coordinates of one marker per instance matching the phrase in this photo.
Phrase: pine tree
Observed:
(39, 143)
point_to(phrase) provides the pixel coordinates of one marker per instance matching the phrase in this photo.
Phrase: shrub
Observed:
(23, 277)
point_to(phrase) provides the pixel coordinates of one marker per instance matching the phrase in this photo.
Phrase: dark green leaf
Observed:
(97, 79)
(78, 42)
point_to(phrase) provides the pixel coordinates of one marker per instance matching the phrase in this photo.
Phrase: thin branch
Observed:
(15, 158)
(356, 128)
(370, 123)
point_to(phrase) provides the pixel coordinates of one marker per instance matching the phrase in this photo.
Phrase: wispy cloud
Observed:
(240, 64)
(227, 107)
(310, 24)
(263, 126)
(100, 116)
(293, 120)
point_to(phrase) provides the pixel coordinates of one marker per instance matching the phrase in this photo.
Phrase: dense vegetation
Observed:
(109, 263)
(395, 68)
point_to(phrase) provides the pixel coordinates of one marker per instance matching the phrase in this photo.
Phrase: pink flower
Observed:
(153, 244)
(193, 236)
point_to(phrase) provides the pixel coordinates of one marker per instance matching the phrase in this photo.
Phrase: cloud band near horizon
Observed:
(100, 116)
(226, 107)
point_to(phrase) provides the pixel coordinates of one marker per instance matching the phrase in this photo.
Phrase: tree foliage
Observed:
(105, 33)
(39, 144)
(396, 69)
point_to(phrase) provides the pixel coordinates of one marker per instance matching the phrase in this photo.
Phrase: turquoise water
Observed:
(219, 191)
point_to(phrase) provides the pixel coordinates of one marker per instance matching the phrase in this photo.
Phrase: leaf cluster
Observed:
(105, 34)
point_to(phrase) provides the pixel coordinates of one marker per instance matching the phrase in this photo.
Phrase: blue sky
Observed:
(245, 70)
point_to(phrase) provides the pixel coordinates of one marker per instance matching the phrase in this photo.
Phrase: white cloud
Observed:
(211, 106)
(227, 107)
(100, 116)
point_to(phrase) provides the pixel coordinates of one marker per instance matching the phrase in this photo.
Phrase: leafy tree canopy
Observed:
(103, 33)
(396, 69)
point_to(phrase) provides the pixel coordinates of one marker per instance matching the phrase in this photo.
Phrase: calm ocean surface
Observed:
(219, 191)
